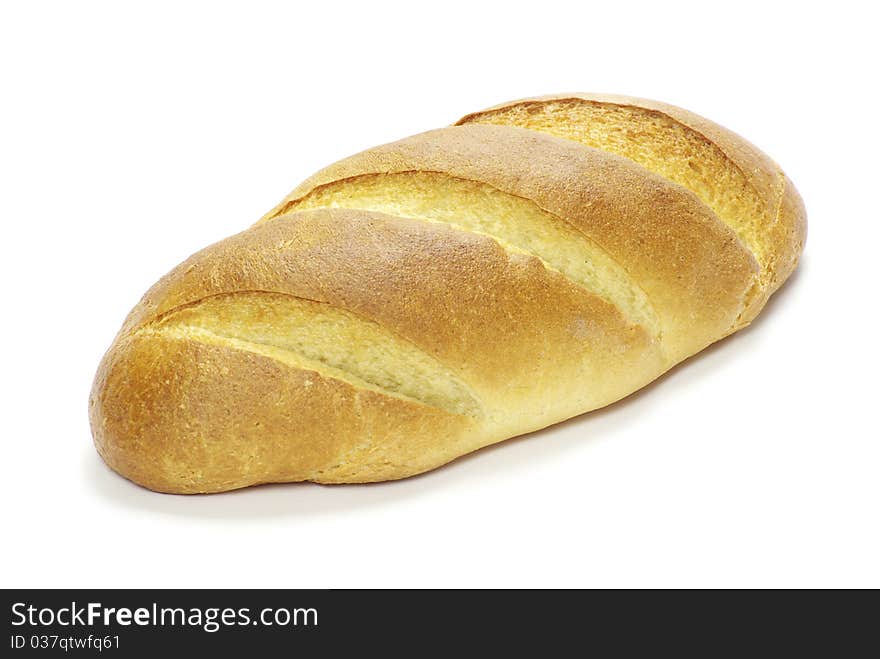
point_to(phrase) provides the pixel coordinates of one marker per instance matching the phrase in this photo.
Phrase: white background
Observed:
(131, 137)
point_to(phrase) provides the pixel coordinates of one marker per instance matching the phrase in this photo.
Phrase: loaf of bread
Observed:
(425, 298)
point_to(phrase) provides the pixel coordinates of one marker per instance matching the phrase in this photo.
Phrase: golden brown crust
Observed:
(181, 416)
(691, 265)
(210, 384)
(785, 231)
(760, 170)
(791, 223)
(534, 348)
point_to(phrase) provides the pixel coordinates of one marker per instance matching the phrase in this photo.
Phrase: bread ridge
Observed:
(174, 416)
(691, 266)
(483, 209)
(784, 228)
(320, 337)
